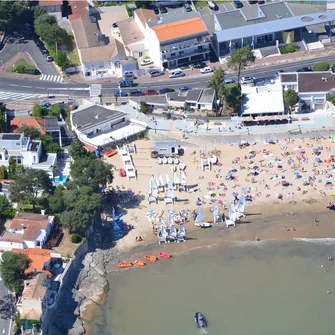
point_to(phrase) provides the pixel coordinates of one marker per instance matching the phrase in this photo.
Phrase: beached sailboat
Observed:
(165, 160)
(162, 234)
(159, 160)
(240, 207)
(176, 161)
(170, 160)
(232, 216)
(170, 191)
(176, 181)
(199, 220)
(161, 184)
(152, 190)
(173, 234)
(181, 234)
(216, 213)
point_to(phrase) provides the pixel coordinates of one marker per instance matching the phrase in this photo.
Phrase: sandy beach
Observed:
(284, 179)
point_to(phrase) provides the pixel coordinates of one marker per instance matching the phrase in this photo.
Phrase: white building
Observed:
(25, 152)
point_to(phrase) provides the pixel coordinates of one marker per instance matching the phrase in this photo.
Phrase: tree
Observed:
(12, 168)
(217, 79)
(321, 66)
(45, 19)
(88, 171)
(13, 13)
(291, 97)
(29, 186)
(48, 145)
(12, 270)
(6, 209)
(38, 11)
(239, 59)
(233, 97)
(143, 4)
(31, 132)
(53, 148)
(3, 118)
(77, 150)
(50, 33)
(76, 222)
(55, 111)
(3, 172)
(62, 60)
(100, 97)
(56, 201)
(130, 11)
(39, 111)
(144, 108)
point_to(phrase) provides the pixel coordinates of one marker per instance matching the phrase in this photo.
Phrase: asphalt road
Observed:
(82, 90)
(6, 325)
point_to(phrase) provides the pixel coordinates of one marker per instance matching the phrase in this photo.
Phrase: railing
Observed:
(189, 54)
(185, 46)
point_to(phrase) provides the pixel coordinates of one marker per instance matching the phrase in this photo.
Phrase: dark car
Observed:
(305, 69)
(238, 4)
(261, 2)
(199, 65)
(166, 90)
(115, 25)
(135, 93)
(251, 2)
(187, 7)
(185, 89)
(150, 92)
(163, 10)
(125, 83)
(155, 9)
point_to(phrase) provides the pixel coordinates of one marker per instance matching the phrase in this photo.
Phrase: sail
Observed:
(154, 189)
(232, 212)
(163, 231)
(161, 181)
(241, 204)
(173, 231)
(176, 179)
(157, 181)
(200, 217)
(171, 221)
(183, 178)
(162, 223)
(215, 212)
(182, 231)
(170, 191)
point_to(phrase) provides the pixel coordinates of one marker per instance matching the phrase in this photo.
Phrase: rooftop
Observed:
(86, 32)
(172, 16)
(145, 14)
(51, 124)
(129, 31)
(180, 29)
(207, 96)
(34, 288)
(50, 2)
(321, 82)
(10, 136)
(289, 78)
(114, 14)
(31, 314)
(37, 123)
(192, 96)
(86, 117)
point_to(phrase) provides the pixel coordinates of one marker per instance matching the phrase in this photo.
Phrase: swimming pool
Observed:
(60, 179)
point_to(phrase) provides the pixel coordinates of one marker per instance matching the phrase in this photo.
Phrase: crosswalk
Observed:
(12, 96)
(50, 77)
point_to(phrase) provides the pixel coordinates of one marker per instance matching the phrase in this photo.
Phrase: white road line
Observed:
(48, 77)
(13, 85)
(27, 86)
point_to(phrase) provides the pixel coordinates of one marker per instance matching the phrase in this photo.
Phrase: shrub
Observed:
(76, 238)
(289, 48)
(20, 68)
(321, 66)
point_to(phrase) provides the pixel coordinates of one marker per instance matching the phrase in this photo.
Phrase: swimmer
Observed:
(328, 292)
(325, 270)
(330, 258)
(321, 266)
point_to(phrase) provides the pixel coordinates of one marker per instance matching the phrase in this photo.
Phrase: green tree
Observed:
(130, 11)
(233, 97)
(6, 209)
(13, 13)
(55, 111)
(143, 4)
(45, 19)
(38, 11)
(75, 221)
(3, 172)
(321, 66)
(3, 118)
(12, 168)
(53, 148)
(291, 97)
(217, 79)
(56, 201)
(77, 150)
(62, 60)
(12, 270)
(31, 132)
(88, 171)
(39, 111)
(50, 33)
(239, 59)
(144, 108)
(29, 186)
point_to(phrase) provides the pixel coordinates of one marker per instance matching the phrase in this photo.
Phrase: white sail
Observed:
(176, 179)
(171, 221)
(200, 217)
(161, 181)
(173, 231)
(163, 231)
(183, 178)
(154, 188)
(215, 212)
(241, 204)
(170, 191)
(232, 212)
(182, 231)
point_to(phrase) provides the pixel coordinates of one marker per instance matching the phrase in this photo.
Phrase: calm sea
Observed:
(257, 288)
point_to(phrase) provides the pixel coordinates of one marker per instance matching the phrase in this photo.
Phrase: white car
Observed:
(176, 74)
(247, 80)
(206, 69)
(145, 62)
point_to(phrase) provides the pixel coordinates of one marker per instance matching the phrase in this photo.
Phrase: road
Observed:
(6, 325)
(31, 87)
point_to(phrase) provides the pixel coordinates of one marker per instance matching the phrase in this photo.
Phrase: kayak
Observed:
(139, 262)
(200, 320)
(125, 265)
(151, 258)
(164, 255)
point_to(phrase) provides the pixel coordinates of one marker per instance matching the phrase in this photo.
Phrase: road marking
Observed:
(13, 85)
(4, 330)
(27, 86)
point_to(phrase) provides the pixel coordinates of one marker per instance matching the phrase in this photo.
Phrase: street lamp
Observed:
(248, 131)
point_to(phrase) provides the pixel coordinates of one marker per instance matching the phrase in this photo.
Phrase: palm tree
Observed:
(100, 97)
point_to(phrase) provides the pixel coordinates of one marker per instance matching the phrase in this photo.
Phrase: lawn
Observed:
(23, 62)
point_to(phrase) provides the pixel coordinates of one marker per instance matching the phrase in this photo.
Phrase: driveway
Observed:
(26, 43)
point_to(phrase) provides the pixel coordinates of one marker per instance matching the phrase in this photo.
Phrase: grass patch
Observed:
(199, 4)
(21, 62)
(289, 48)
(185, 67)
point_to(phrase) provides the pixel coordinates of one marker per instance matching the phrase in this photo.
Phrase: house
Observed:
(275, 24)
(52, 6)
(96, 125)
(25, 152)
(109, 16)
(312, 87)
(37, 123)
(27, 230)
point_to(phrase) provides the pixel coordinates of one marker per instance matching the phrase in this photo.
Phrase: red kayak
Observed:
(164, 255)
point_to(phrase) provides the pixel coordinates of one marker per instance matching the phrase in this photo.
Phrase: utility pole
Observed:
(56, 49)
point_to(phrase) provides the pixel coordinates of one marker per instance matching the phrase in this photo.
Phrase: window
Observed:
(181, 52)
(199, 39)
(173, 54)
(34, 159)
(200, 47)
(17, 144)
(140, 54)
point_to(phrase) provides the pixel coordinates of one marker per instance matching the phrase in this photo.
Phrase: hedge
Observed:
(289, 48)
(321, 66)
(76, 238)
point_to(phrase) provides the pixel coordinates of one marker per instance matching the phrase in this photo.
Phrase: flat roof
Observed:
(191, 96)
(151, 99)
(114, 14)
(321, 82)
(9, 136)
(289, 77)
(269, 27)
(263, 103)
(207, 96)
(86, 117)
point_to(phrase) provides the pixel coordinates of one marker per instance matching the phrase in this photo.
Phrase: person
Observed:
(330, 258)
(328, 292)
(140, 239)
(136, 239)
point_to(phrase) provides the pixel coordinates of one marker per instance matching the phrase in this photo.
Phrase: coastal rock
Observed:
(78, 328)
(96, 261)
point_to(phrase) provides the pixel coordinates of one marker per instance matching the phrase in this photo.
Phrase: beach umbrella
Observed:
(318, 160)
(296, 173)
(306, 183)
(229, 175)
(315, 150)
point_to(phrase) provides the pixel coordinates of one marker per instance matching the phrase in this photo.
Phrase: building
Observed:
(275, 24)
(96, 125)
(312, 87)
(52, 6)
(25, 152)
(27, 230)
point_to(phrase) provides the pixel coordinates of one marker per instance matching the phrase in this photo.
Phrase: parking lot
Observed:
(172, 12)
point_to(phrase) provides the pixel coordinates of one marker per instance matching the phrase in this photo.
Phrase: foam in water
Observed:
(324, 241)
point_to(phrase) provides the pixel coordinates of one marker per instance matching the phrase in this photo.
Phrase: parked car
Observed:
(185, 89)
(238, 4)
(305, 69)
(176, 74)
(251, 2)
(115, 25)
(229, 81)
(155, 73)
(150, 92)
(145, 62)
(126, 83)
(212, 5)
(120, 93)
(279, 72)
(129, 75)
(155, 9)
(206, 69)
(199, 65)
(135, 93)
(49, 58)
(44, 104)
(45, 51)
(163, 10)
(187, 7)
(261, 2)
(247, 80)
(166, 90)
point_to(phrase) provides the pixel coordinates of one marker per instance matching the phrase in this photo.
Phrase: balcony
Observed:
(168, 57)
(185, 46)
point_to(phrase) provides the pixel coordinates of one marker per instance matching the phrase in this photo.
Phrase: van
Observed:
(155, 73)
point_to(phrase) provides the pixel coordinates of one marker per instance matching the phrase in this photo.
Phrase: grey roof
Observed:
(190, 96)
(266, 13)
(274, 26)
(35, 145)
(207, 96)
(85, 118)
(173, 18)
(288, 77)
(151, 99)
(51, 125)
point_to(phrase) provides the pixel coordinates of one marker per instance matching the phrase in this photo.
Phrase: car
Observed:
(163, 10)
(261, 2)
(185, 89)
(238, 4)
(212, 5)
(126, 83)
(44, 104)
(115, 25)
(229, 81)
(187, 7)
(119, 93)
(150, 92)
(129, 75)
(305, 69)
(252, 2)
(206, 69)
(155, 9)
(166, 90)
(45, 51)
(155, 73)
(135, 93)
(199, 65)
(279, 72)
(247, 80)
(49, 58)
(176, 74)
(146, 61)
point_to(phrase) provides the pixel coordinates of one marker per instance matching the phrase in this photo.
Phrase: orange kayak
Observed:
(151, 258)
(138, 262)
(164, 255)
(110, 153)
(125, 265)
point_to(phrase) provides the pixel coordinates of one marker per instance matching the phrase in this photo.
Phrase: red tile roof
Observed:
(145, 14)
(37, 123)
(50, 2)
(78, 9)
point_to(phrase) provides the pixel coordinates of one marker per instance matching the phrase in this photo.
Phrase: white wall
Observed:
(4, 245)
(30, 244)
(29, 304)
(154, 47)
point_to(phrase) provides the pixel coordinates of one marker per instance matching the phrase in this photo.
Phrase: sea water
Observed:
(255, 288)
